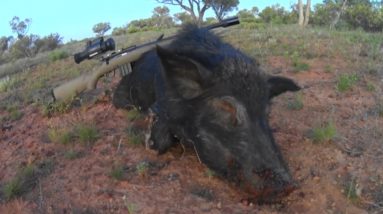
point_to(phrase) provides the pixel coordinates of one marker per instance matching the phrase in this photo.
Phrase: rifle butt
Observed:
(71, 88)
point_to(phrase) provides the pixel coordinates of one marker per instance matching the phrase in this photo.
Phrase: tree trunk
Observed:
(300, 8)
(338, 14)
(307, 15)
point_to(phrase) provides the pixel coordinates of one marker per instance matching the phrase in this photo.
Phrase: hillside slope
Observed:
(88, 157)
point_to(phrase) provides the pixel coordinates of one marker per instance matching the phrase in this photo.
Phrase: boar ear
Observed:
(183, 75)
(279, 85)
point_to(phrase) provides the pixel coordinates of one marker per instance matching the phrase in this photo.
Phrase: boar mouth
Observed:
(268, 187)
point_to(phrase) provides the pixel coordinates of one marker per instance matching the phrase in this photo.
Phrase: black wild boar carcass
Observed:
(214, 98)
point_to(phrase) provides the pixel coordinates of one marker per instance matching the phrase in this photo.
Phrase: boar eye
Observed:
(227, 111)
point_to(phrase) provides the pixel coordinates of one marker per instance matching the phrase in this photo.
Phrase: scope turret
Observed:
(94, 48)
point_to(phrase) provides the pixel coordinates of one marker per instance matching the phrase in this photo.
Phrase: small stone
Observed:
(245, 202)
(219, 205)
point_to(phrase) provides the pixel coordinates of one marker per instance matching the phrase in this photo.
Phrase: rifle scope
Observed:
(94, 48)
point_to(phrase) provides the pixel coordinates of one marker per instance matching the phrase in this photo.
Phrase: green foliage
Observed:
(142, 167)
(131, 207)
(296, 103)
(322, 14)
(346, 82)
(357, 14)
(87, 134)
(61, 136)
(57, 55)
(210, 20)
(24, 47)
(379, 108)
(364, 16)
(48, 43)
(117, 172)
(4, 42)
(135, 139)
(351, 190)
(370, 86)
(297, 63)
(183, 18)
(141, 25)
(222, 7)
(133, 114)
(300, 66)
(72, 154)
(12, 189)
(9, 83)
(247, 15)
(209, 173)
(161, 18)
(26, 179)
(20, 27)
(117, 31)
(328, 68)
(15, 114)
(59, 107)
(324, 133)
(101, 28)
(277, 14)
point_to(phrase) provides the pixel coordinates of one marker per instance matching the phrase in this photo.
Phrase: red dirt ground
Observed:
(177, 183)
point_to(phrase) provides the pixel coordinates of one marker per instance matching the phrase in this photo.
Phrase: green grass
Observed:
(142, 167)
(61, 136)
(300, 66)
(135, 137)
(57, 55)
(26, 179)
(13, 189)
(296, 103)
(351, 189)
(55, 108)
(15, 115)
(346, 82)
(133, 114)
(379, 108)
(209, 173)
(324, 133)
(84, 133)
(21, 183)
(370, 86)
(117, 172)
(8, 84)
(72, 154)
(328, 68)
(87, 134)
(131, 208)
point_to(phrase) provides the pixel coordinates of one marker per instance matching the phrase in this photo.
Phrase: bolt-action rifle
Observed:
(114, 60)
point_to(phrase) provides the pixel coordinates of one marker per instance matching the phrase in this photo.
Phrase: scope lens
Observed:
(109, 45)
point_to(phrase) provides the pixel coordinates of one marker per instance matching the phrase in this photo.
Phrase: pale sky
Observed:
(74, 19)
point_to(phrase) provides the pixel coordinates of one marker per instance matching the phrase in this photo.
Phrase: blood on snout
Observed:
(264, 188)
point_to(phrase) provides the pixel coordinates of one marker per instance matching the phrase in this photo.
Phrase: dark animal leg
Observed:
(161, 138)
(122, 95)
